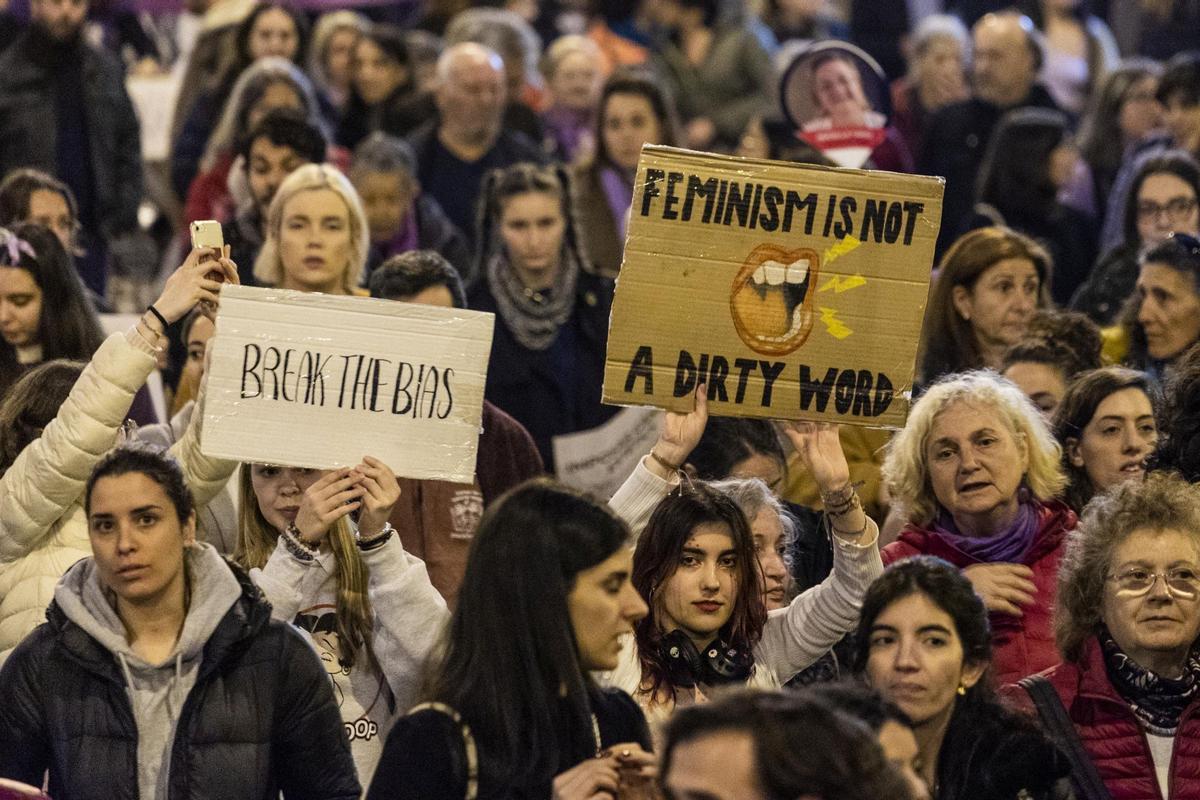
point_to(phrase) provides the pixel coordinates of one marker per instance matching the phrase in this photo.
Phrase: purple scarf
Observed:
(619, 193)
(408, 237)
(1009, 546)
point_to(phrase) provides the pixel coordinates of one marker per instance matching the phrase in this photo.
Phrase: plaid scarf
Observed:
(1157, 702)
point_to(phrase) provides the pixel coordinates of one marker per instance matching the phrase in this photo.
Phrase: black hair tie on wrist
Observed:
(160, 317)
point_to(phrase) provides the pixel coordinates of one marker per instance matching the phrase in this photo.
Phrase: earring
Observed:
(962, 690)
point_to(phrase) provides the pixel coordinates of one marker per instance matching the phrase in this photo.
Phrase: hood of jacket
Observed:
(157, 692)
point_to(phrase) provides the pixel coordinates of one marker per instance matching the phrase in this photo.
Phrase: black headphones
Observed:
(718, 664)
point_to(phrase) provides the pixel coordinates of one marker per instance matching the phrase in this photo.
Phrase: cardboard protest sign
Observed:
(313, 380)
(793, 291)
(600, 460)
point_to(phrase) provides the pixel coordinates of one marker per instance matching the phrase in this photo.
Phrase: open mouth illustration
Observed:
(770, 300)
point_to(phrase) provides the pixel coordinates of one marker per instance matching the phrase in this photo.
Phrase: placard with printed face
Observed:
(794, 292)
(313, 380)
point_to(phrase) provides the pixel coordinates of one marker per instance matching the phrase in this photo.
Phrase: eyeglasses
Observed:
(1182, 582)
(1176, 209)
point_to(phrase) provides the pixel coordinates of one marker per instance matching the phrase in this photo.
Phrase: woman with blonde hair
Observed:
(989, 283)
(977, 471)
(331, 54)
(317, 236)
(1127, 620)
(368, 606)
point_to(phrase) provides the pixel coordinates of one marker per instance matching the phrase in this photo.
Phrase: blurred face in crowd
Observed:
(1062, 163)
(1114, 445)
(975, 464)
(1004, 65)
(62, 19)
(1183, 121)
(1168, 310)
(470, 96)
(916, 659)
(1001, 302)
(199, 334)
(1154, 625)
(1165, 204)
(137, 539)
(1140, 110)
(376, 74)
(532, 226)
(940, 69)
(900, 749)
(339, 56)
(576, 81)
(315, 243)
(279, 491)
(20, 307)
(386, 198)
(603, 606)
(698, 598)
(269, 165)
(629, 122)
(768, 469)
(50, 209)
(1044, 384)
(274, 34)
(721, 765)
(280, 94)
(771, 548)
(837, 88)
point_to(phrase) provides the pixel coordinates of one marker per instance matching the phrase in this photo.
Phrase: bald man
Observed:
(468, 137)
(1007, 59)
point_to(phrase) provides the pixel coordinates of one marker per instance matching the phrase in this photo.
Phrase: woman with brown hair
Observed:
(988, 285)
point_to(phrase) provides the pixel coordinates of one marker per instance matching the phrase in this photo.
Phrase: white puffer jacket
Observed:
(43, 528)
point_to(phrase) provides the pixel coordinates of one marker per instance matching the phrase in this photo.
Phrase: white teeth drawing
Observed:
(772, 273)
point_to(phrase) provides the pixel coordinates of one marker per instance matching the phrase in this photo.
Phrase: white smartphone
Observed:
(207, 233)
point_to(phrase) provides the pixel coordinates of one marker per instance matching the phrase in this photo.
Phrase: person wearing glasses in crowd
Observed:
(1127, 624)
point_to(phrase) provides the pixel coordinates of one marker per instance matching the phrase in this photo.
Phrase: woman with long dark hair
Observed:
(383, 88)
(923, 641)
(547, 363)
(1028, 162)
(44, 309)
(512, 708)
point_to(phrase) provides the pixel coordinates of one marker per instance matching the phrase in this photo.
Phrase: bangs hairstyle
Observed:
(947, 340)
(1179, 163)
(1162, 501)
(155, 463)
(268, 268)
(656, 559)
(906, 466)
(355, 618)
(509, 662)
(1076, 410)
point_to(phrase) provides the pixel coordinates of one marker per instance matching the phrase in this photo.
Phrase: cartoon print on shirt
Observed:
(321, 623)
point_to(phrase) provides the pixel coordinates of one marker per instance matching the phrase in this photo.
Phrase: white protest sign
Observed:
(313, 380)
(599, 460)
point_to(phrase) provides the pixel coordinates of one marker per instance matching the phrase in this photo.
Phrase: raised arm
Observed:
(658, 471)
(798, 635)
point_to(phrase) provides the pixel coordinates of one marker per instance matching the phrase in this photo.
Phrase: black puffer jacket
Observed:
(260, 719)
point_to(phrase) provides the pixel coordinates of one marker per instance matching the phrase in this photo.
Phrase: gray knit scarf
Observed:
(533, 317)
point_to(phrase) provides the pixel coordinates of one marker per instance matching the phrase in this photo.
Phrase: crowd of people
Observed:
(1000, 600)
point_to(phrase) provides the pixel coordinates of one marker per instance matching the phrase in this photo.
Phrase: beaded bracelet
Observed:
(376, 541)
(296, 545)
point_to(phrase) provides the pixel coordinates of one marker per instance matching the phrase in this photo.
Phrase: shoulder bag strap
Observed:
(469, 749)
(1062, 732)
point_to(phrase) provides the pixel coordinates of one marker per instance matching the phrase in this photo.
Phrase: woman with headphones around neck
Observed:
(695, 564)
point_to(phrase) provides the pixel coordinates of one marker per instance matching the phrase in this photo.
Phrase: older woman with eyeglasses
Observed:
(1127, 621)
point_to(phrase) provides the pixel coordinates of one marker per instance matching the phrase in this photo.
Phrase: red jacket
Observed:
(1021, 645)
(1111, 735)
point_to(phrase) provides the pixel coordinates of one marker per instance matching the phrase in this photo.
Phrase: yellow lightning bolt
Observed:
(846, 245)
(845, 284)
(835, 326)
